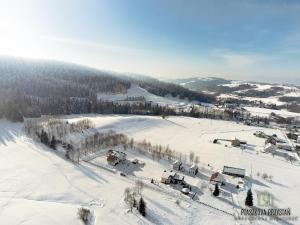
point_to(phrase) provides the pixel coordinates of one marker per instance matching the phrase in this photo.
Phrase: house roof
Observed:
(168, 174)
(178, 177)
(233, 170)
(194, 166)
(214, 176)
(177, 162)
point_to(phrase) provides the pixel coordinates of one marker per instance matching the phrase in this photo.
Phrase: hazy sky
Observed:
(238, 39)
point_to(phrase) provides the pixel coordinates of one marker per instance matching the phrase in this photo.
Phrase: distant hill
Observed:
(275, 94)
(45, 78)
(35, 87)
(200, 84)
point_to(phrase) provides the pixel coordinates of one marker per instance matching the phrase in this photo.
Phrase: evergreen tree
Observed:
(142, 207)
(249, 198)
(53, 143)
(217, 190)
(44, 138)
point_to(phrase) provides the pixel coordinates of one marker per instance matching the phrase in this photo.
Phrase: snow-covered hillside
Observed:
(44, 188)
(137, 91)
(39, 186)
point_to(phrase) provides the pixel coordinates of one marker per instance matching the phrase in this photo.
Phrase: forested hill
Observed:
(26, 84)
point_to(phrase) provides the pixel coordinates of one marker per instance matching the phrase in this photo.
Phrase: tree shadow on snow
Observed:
(8, 132)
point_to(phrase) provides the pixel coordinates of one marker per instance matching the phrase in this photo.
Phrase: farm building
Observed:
(170, 177)
(177, 165)
(270, 148)
(217, 178)
(115, 157)
(232, 171)
(193, 170)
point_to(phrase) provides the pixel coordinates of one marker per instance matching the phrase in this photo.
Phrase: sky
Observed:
(255, 40)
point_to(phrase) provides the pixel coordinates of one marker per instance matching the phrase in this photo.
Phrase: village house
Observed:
(232, 171)
(177, 165)
(170, 177)
(115, 157)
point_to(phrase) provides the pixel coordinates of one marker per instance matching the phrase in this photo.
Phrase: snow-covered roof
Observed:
(233, 170)
(194, 166)
(177, 162)
(167, 174)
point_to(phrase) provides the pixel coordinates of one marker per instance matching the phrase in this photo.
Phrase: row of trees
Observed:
(52, 131)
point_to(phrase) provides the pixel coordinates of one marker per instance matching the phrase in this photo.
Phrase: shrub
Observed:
(84, 214)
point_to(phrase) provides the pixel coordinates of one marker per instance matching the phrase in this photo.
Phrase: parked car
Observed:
(185, 191)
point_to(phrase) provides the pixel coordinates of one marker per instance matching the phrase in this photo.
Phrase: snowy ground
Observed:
(137, 91)
(44, 188)
(289, 91)
(256, 111)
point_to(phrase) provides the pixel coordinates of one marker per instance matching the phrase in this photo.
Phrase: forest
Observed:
(30, 88)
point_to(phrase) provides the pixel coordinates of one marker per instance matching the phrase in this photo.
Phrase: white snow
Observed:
(232, 84)
(188, 82)
(137, 91)
(44, 188)
(256, 111)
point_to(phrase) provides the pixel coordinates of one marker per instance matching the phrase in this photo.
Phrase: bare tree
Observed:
(192, 156)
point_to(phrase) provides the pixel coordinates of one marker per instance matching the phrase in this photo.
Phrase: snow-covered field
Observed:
(38, 186)
(266, 112)
(137, 91)
(288, 91)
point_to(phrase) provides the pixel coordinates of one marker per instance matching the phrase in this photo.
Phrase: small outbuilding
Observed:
(233, 171)
(193, 170)
(177, 165)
